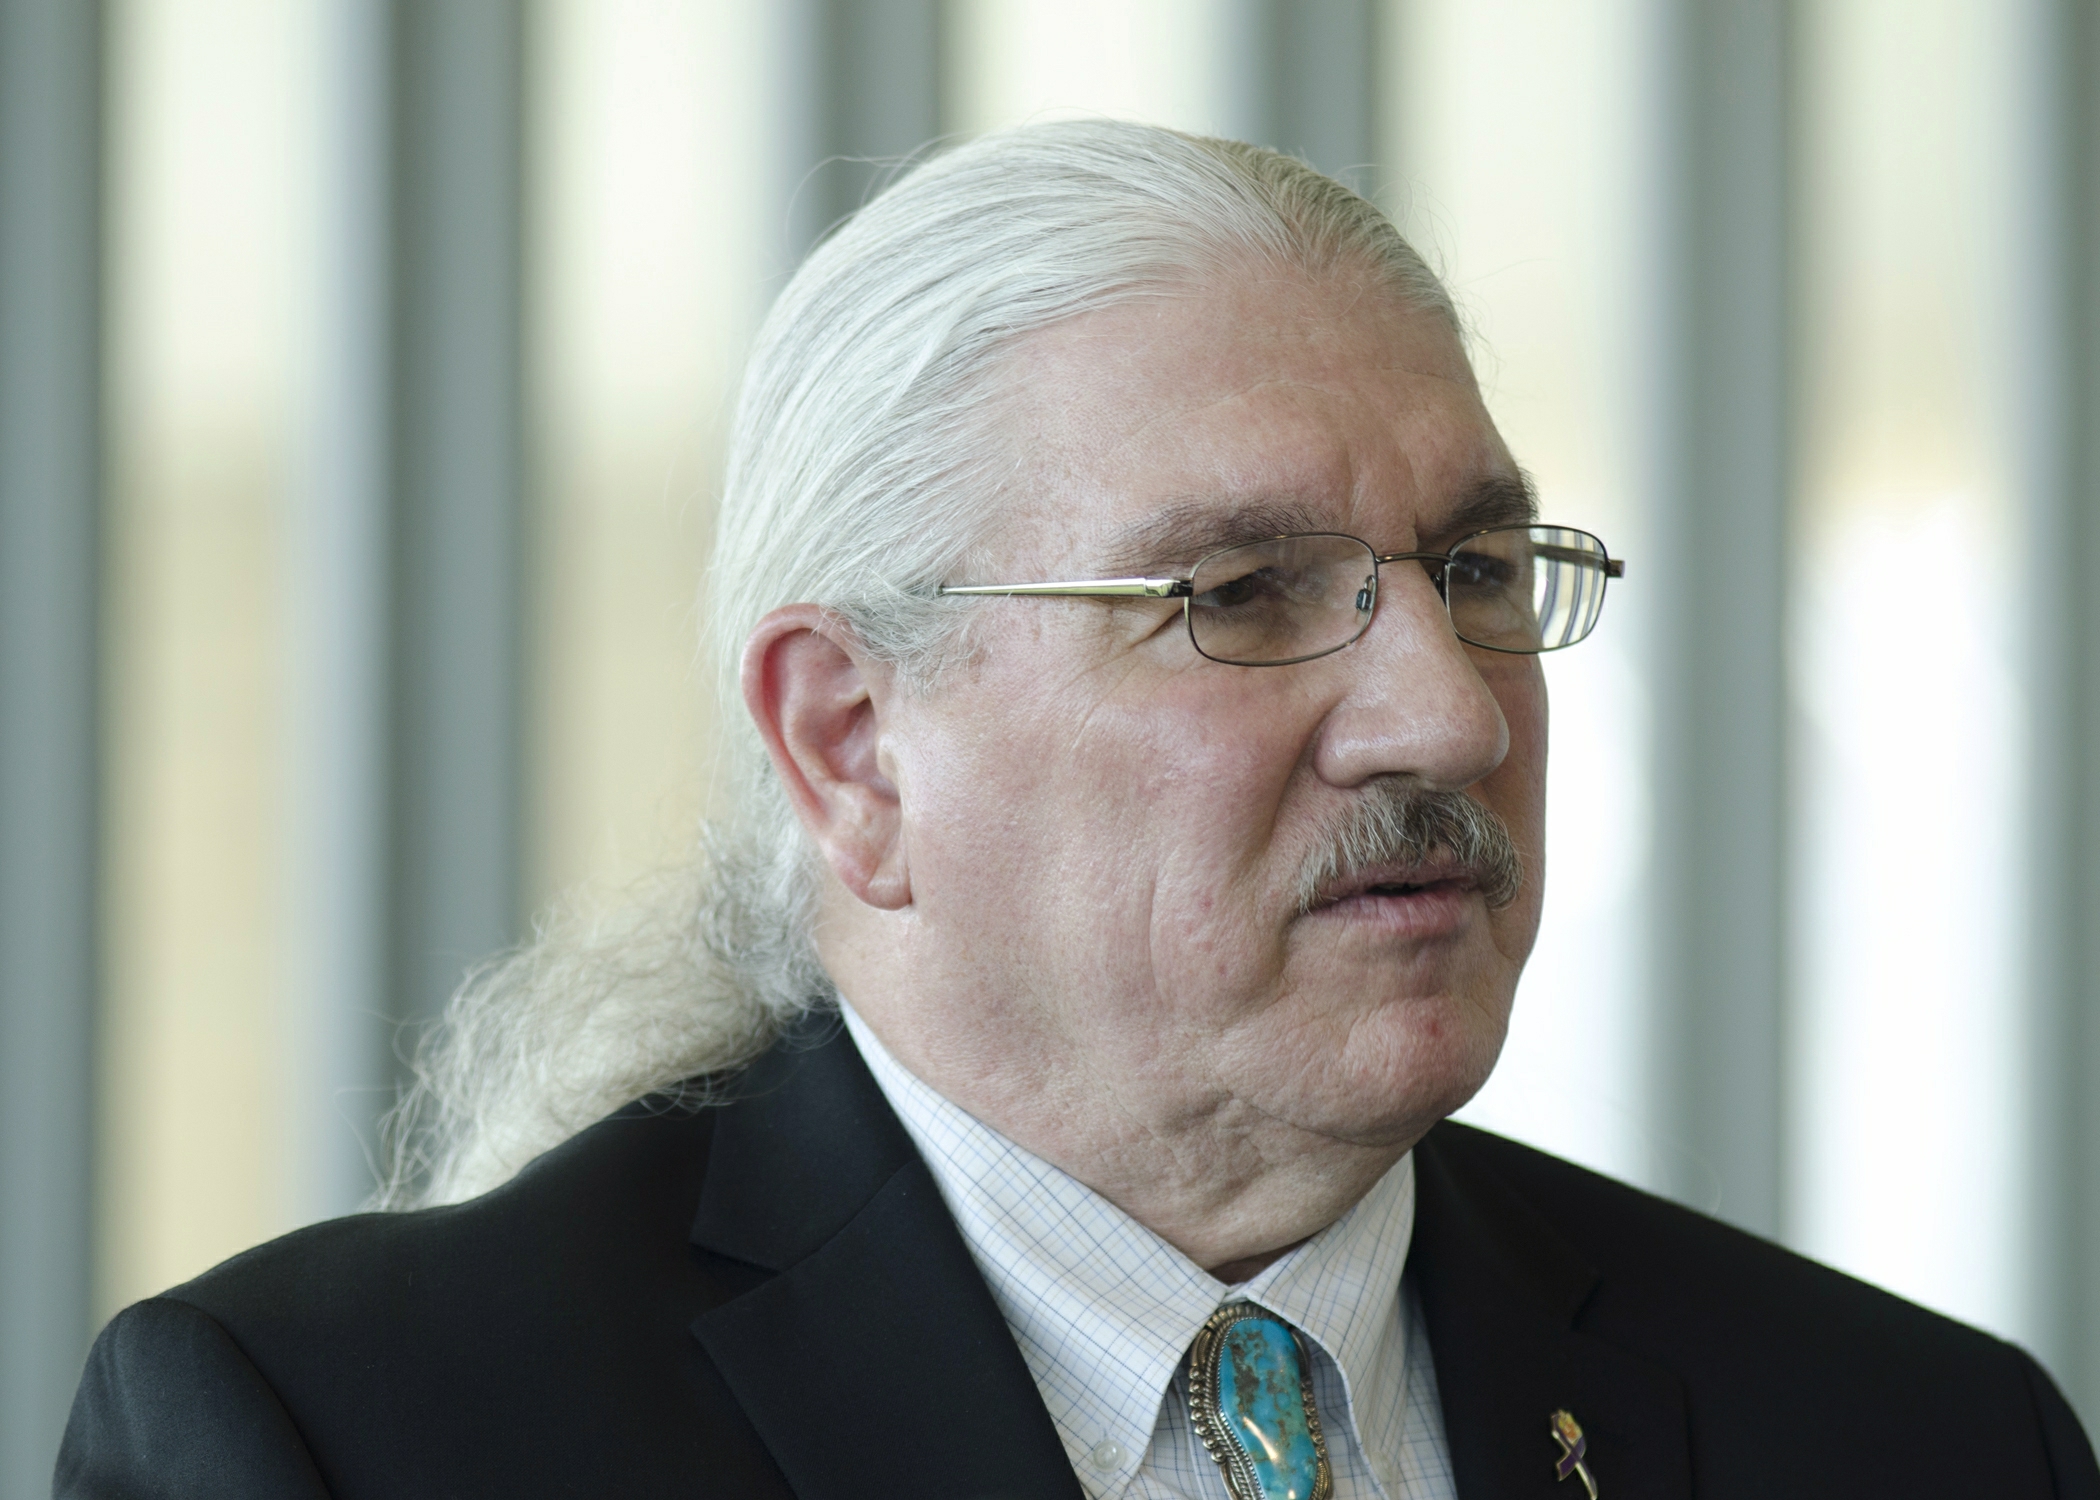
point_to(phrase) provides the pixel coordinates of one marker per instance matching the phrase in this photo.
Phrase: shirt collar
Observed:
(1104, 1310)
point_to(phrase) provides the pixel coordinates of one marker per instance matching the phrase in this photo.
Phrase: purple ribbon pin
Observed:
(1574, 1447)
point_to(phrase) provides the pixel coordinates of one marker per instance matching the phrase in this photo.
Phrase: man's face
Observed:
(1103, 830)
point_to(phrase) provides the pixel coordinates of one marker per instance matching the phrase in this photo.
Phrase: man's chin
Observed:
(1391, 1070)
(1349, 963)
(1436, 1076)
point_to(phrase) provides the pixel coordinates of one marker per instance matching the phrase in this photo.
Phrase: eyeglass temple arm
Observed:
(1614, 567)
(1090, 588)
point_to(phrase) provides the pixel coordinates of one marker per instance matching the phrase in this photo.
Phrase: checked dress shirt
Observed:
(1104, 1312)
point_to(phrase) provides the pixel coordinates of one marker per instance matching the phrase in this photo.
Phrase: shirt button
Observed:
(1107, 1456)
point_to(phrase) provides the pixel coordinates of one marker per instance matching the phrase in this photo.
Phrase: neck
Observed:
(1230, 1185)
(1247, 1267)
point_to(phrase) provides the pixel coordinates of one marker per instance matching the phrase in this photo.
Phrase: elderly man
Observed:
(1138, 841)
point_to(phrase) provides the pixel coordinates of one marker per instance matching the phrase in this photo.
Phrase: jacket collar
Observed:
(874, 1362)
(1502, 1294)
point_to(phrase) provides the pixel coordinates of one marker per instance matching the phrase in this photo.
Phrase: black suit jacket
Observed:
(768, 1298)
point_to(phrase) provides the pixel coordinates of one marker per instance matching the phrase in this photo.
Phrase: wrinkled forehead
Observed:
(1152, 432)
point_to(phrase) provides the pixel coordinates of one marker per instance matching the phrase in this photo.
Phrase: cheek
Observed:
(1133, 815)
(1217, 763)
(1516, 792)
(1516, 789)
(1207, 808)
(1010, 785)
(1528, 744)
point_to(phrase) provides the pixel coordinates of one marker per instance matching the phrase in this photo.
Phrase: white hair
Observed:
(864, 464)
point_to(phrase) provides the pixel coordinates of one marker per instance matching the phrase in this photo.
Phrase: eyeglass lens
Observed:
(1517, 588)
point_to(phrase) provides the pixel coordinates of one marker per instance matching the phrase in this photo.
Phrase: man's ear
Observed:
(813, 694)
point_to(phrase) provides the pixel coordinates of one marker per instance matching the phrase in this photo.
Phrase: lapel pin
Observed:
(1574, 1447)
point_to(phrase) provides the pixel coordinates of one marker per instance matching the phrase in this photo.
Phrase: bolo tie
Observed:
(1251, 1402)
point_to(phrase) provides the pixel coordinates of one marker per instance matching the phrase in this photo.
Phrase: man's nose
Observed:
(1415, 704)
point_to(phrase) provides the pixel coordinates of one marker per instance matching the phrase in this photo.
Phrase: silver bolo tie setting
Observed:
(1251, 1402)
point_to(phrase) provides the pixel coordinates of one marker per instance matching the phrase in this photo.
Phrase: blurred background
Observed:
(364, 366)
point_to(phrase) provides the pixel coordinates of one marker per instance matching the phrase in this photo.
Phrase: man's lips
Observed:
(1398, 881)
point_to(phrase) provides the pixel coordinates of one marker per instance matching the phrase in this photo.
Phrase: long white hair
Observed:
(865, 463)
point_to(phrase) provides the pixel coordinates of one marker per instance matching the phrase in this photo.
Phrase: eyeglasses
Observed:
(1522, 589)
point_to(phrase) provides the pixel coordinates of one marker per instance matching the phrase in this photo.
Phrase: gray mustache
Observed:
(1392, 823)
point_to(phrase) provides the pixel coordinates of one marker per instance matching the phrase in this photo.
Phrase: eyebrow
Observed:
(1505, 499)
(1179, 534)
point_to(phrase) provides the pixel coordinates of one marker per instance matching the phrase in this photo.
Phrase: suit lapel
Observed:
(875, 1362)
(1501, 1293)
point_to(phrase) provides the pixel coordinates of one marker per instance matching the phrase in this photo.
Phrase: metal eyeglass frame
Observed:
(1184, 588)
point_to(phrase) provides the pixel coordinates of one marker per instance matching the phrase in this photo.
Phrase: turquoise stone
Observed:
(1261, 1397)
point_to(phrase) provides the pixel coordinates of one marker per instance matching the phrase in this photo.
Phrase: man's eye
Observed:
(1261, 586)
(1473, 571)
